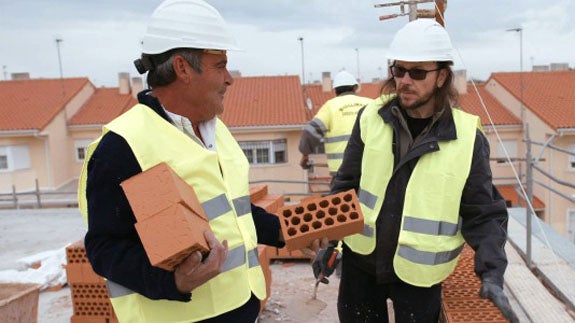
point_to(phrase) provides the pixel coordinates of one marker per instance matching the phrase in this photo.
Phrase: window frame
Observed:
(265, 152)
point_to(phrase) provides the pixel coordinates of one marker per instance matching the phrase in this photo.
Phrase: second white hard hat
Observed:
(421, 40)
(186, 24)
(344, 78)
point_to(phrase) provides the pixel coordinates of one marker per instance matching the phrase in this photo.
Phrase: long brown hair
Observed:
(447, 95)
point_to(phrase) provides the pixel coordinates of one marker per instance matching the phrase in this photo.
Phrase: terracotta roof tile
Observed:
(264, 101)
(32, 104)
(103, 106)
(471, 103)
(510, 194)
(549, 95)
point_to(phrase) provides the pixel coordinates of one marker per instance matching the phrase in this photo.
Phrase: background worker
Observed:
(333, 122)
(421, 170)
(184, 53)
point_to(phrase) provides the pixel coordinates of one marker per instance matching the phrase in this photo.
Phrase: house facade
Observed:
(46, 124)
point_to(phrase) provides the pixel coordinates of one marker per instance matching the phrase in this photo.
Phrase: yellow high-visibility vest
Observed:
(220, 180)
(336, 119)
(430, 239)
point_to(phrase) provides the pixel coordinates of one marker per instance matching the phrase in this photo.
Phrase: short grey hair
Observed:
(163, 74)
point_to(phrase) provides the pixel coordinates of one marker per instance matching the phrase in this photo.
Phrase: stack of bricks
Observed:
(90, 300)
(460, 293)
(170, 219)
(333, 216)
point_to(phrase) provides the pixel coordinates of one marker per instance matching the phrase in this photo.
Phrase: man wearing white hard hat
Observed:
(421, 169)
(333, 122)
(176, 122)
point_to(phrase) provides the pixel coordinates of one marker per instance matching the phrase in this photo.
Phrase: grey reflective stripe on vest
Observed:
(366, 198)
(242, 205)
(117, 290)
(335, 156)
(253, 260)
(216, 207)
(337, 139)
(436, 228)
(427, 257)
(367, 231)
(236, 257)
(319, 123)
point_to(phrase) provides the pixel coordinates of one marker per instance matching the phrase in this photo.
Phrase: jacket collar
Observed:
(443, 128)
(145, 97)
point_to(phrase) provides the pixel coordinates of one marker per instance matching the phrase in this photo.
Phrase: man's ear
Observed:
(181, 68)
(441, 77)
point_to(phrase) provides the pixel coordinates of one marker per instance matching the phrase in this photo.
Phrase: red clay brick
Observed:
(333, 216)
(158, 188)
(171, 235)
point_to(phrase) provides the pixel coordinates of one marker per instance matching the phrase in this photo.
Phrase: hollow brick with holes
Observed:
(334, 216)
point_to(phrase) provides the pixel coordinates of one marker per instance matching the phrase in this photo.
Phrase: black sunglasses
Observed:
(417, 74)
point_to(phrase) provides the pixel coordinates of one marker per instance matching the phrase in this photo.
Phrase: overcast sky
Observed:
(102, 38)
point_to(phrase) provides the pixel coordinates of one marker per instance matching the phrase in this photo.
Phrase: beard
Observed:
(418, 103)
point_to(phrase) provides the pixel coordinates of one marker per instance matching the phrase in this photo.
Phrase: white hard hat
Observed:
(421, 40)
(186, 24)
(344, 78)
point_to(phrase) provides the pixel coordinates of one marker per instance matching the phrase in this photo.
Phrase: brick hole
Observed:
(316, 225)
(307, 217)
(336, 200)
(304, 228)
(344, 208)
(354, 215)
(320, 214)
(311, 207)
(286, 223)
(347, 197)
(324, 203)
(329, 222)
(291, 232)
(332, 211)
(295, 220)
(286, 213)
(341, 218)
(299, 210)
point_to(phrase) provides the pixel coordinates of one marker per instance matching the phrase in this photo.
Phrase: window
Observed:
(264, 152)
(571, 224)
(506, 145)
(80, 147)
(571, 157)
(14, 157)
(3, 162)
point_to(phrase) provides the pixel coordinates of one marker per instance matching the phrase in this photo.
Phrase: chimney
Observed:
(124, 81)
(20, 76)
(460, 81)
(540, 68)
(559, 66)
(137, 86)
(326, 82)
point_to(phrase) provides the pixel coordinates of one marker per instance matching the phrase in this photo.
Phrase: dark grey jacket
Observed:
(482, 208)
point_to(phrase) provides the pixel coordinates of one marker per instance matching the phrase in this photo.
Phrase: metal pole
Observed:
(522, 112)
(302, 61)
(58, 41)
(357, 63)
(412, 11)
(529, 192)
